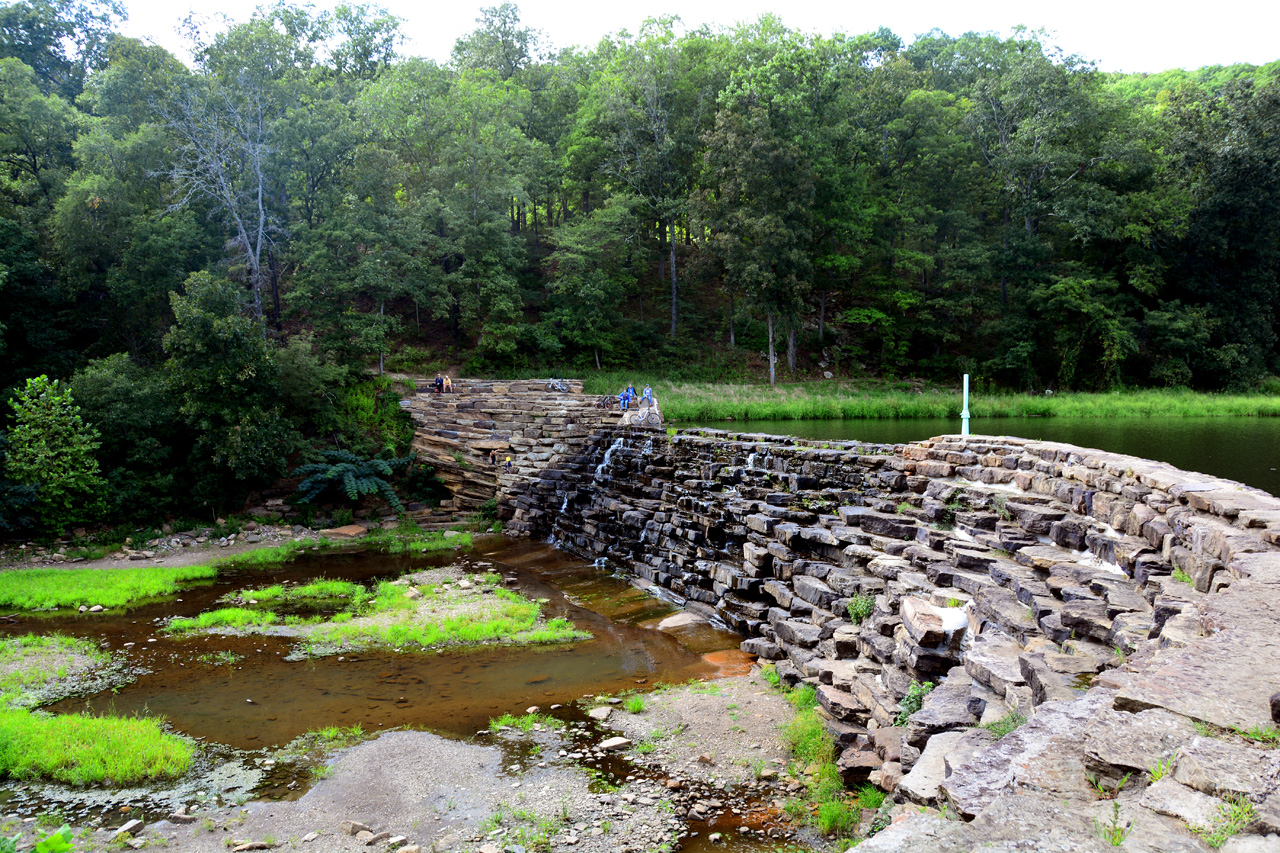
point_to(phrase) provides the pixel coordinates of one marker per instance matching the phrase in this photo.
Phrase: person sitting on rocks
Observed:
(631, 392)
(448, 385)
(439, 383)
(508, 464)
(623, 399)
(646, 399)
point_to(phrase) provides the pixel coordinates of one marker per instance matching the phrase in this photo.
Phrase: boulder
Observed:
(921, 784)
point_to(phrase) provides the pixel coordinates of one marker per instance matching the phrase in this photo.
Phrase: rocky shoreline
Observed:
(720, 770)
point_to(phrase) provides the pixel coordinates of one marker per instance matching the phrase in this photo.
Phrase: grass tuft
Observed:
(45, 589)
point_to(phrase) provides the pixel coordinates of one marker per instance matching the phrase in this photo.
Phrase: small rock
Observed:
(600, 714)
(489, 848)
(351, 827)
(1275, 706)
(706, 759)
(396, 841)
(83, 609)
(130, 828)
(309, 837)
(365, 836)
(410, 848)
(716, 838)
(252, 845)
(532, 709)
(413, 594)
(178, 817)
(375, 838)
(615, 744)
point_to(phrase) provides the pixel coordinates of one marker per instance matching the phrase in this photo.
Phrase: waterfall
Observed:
(564, 506)
(600, 475)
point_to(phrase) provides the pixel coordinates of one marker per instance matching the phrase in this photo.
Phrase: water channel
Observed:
(262, 700)
(1243, 449)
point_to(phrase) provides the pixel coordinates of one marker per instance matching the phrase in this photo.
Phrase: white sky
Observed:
(1121, 35)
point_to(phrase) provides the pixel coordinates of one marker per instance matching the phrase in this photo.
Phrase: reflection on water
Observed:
(1243, 449)
(263, 699)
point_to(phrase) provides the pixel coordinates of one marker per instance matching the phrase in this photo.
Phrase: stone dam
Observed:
(1102, 632)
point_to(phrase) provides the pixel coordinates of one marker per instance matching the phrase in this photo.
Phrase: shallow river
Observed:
(1242, 449)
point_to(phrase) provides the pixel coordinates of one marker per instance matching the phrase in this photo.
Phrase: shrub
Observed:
(860, 607)
(912, 702)
(351, 476)
(53, 448)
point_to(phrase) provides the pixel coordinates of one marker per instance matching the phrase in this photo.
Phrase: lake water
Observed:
(1243, 449)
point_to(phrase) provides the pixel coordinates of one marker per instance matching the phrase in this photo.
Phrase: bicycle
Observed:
(558, 385)
(608, 401)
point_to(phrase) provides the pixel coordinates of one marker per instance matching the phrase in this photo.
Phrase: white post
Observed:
(964, 412)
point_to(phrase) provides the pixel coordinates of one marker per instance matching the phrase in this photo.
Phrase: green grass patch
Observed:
(870, 797)
(506, 618)
(1180, 575)
(238, 618)
(634, 704)
(45, 589)
(524, 722)
(912, 702)
(81, 750)
(318, 589)
(1234, 816)
(1005, 725)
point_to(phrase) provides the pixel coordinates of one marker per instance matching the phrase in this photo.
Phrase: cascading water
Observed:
(600, 475)
(648, 448)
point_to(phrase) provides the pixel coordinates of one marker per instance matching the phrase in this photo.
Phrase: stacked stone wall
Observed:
(1030, 580)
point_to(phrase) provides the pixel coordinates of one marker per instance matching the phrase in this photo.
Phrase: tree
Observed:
(60, 40)
(499, 43)
(52, 448)
(756, 210)
(649, 106)
(596, 256)
(224, 373)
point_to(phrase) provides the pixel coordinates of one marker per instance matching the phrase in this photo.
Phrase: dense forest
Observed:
(205, 260)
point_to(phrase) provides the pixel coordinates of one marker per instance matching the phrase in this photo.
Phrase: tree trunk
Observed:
(675, 301)
(381, 306)
(586, 201)
(773, 378)
(791, 348)
(597, 352)
(662, 258)
(822, 319)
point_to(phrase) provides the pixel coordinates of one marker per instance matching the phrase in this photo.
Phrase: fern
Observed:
(351, 475)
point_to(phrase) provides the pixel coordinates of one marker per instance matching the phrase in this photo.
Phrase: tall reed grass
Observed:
(693, 401)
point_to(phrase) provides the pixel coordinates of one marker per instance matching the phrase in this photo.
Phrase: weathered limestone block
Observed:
(1034, 518)
(921, 784)
(1219, 768)
(797, 633)
(944, 709)
(1169, 797)
(1044, 754)
(841, 705)
(814, 591)
(856, 763)
(1117, 742)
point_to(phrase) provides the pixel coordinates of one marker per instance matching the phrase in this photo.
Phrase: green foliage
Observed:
(860, 607)
(16, 499)
(351, 476)
(1182, 577)
(52, 448)
(226, 377)
(912, 701)
(634, 704)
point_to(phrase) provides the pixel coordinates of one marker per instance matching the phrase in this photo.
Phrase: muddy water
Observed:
(264, 700)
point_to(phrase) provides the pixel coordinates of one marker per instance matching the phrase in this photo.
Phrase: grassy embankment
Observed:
(76, 749)
(692, 401)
